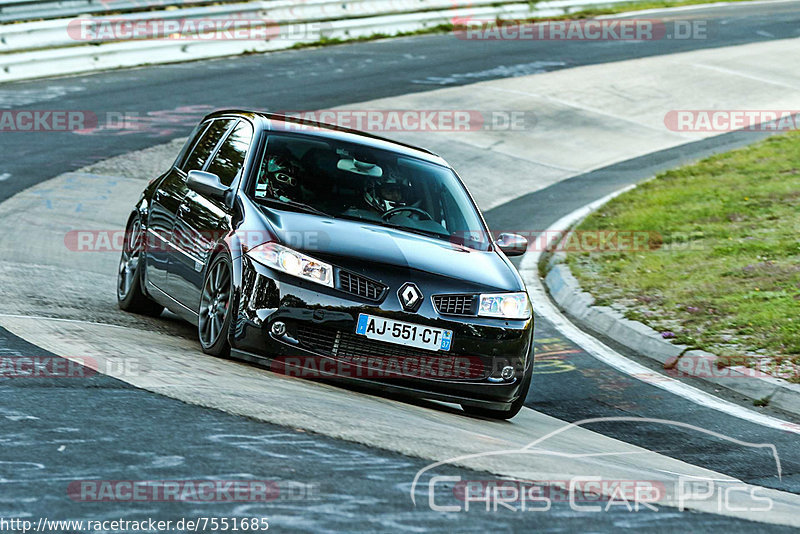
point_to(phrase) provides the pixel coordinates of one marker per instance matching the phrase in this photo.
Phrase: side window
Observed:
(206, 144)
(230, 158)
(191, 142)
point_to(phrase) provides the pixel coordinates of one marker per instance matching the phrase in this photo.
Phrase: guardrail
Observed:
(56, 33)
(24, 10)
(74, 45)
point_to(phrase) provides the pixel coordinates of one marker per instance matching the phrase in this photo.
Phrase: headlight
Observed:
(292, 262)
(505, 306)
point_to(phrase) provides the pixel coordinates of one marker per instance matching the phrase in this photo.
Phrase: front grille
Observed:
(455, 304)
(332, 342)
(320, 340)
(348, 346)
(361, 286)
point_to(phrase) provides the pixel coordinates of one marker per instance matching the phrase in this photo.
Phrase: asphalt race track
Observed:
(326, 77)
(103, 428)
(112, 431)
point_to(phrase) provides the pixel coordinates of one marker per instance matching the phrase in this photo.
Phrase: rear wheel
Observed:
(516, 406)
(130, 296)
(215, 311)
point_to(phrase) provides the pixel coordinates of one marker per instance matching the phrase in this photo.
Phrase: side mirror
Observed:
(207, 184)
(512, 244)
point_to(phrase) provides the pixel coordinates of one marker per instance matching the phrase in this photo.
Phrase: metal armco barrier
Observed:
(111, 39)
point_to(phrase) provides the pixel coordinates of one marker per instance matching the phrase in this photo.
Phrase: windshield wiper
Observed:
(295, 205)
(419, 231)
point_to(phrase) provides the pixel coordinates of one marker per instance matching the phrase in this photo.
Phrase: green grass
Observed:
(761, 402)
(722, 268)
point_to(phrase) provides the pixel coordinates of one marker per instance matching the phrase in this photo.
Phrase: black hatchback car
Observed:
(333, 254)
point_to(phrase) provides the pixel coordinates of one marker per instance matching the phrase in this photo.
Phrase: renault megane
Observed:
(305, 246)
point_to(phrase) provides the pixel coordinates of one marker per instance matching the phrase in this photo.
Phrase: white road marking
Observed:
(503, 71)
(576, 105)
(10, 98)
(59, 319)
(740, 74)
(545, 308)
(5, 176)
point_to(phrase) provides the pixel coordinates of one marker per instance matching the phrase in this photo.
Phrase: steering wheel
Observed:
(419, 211)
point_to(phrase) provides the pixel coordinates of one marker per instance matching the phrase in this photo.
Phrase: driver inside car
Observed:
(393, 199)
(279, 178)
(390, 192)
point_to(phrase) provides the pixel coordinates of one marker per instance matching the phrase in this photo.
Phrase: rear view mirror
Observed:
(207, 184)
(512, 244)
(359, 167)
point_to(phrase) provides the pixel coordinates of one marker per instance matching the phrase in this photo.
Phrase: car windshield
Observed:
(351, 181)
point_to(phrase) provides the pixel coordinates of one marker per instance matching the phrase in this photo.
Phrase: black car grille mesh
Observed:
(324, 341)
(349, 346)
(358, 285)
(455, 304)
(320, 340)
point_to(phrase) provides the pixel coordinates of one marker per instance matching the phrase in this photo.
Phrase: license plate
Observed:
(400, 333)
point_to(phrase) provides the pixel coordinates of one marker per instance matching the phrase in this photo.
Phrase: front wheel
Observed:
(130, 296)
(516, 406)
(215, 311)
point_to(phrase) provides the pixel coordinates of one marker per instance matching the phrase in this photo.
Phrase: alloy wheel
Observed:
(129, 261)
(214, 303)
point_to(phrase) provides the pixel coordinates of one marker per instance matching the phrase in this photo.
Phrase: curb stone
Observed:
(567, 294)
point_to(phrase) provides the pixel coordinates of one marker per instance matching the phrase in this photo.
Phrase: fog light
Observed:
(507, 373)
(278, 328)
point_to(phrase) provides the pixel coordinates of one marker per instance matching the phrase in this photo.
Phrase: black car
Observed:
(333, 254)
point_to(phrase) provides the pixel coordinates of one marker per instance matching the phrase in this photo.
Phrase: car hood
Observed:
(349, 243)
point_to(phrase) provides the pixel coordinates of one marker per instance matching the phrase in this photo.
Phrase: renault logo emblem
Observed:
(410, 297)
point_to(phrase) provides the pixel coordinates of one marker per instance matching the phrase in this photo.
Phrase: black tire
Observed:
(130, 296)
(516, 406)
(216, 307)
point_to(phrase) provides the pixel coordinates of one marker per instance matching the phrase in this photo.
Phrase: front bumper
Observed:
(319, 341)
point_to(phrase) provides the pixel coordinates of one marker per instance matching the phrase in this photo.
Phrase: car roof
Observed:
(297, 125)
